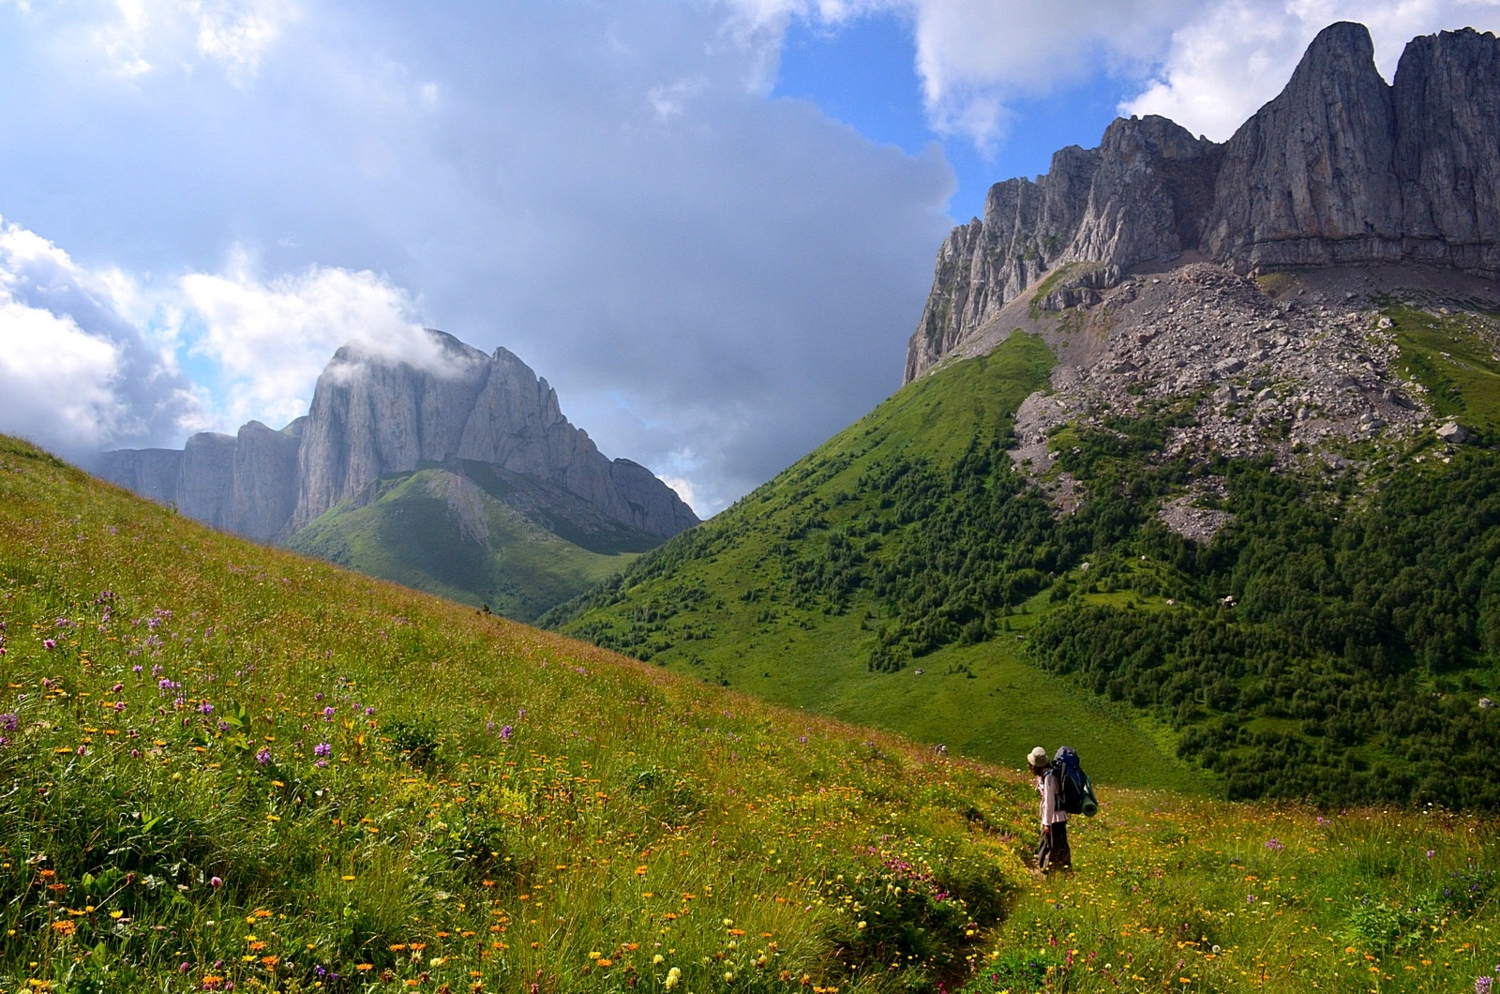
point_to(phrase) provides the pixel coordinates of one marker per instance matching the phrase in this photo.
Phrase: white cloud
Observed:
(976, 56)
(685, 490)
(57, 380)
(237, 35)
(670, 100)
(75, 373)
(271, 340)
(139, 37)
(744, 272)
(1225, 63)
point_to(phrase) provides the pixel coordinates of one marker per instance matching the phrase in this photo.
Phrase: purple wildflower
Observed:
(328, 714)
(10, 721)
(205, 708)
(264, 756)
(1482, 985)
(322, 749)
(318, 696)
(507, 732)
(117, 688)
(369, 711)
(49, 644)
(223, 725)
(119, 706)
(215, 882)
(1275, 846)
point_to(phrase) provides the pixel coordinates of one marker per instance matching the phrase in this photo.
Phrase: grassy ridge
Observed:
(441, 532)
(499, 807)
(1446, 353)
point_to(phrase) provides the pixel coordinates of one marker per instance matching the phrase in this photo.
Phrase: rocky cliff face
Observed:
(1340, 168)
(1135, 198)
(372, 417)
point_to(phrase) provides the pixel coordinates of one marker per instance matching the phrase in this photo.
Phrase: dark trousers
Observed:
(1053, 853)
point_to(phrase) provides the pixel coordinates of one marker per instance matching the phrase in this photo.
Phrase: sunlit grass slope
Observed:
(248, 767)
(721, 602)
(455, 535)
(1446, 354)
(225, 765)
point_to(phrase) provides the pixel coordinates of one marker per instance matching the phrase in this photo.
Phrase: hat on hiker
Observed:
(1037, 757)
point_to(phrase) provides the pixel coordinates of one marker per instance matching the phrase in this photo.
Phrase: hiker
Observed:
(1053, 852)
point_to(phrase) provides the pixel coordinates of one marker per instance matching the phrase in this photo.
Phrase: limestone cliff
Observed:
(373, 417)
(1340, 167)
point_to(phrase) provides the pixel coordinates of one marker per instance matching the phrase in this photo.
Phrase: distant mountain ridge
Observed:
(1341, 167)
(375, 420)
(371, 417)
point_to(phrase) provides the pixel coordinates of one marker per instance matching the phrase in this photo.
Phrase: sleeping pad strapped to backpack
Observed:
(1077, 793)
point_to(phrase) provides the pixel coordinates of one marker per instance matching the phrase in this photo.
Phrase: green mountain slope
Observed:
(475, 534)
(1332, 643)
(788, 594)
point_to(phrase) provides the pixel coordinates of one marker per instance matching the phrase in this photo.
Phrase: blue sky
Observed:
(710, 224)
(864, 74)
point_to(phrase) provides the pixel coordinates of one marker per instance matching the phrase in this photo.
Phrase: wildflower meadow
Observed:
(225, 767)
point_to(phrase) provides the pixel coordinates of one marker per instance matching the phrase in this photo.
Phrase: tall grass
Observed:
(232, 766)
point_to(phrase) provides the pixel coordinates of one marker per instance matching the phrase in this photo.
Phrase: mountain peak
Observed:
(1342, 47)
(1340, 167)
(383, 408)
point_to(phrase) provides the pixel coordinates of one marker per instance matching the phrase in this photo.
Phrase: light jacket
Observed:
(1052, 809)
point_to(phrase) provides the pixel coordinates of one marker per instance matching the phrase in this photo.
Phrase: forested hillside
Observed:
(1333, 641)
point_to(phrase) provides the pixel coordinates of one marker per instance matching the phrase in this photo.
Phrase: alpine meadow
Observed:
(1194, 469)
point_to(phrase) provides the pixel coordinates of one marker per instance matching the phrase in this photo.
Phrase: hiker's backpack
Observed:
(1075, 791)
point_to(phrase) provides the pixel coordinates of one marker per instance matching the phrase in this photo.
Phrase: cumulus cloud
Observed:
(714, 281)
(269, 340)
(975, 57)
(134, 38)
(76, 374)
(1223, 64)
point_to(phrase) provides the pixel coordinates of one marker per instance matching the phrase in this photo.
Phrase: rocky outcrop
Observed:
(372, 417)
(205, 490)
(1339, 168)
(265, 479)
(1308, 180)
(1135, 198)
(1447, 101)
(245, 483)
(152, 473)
